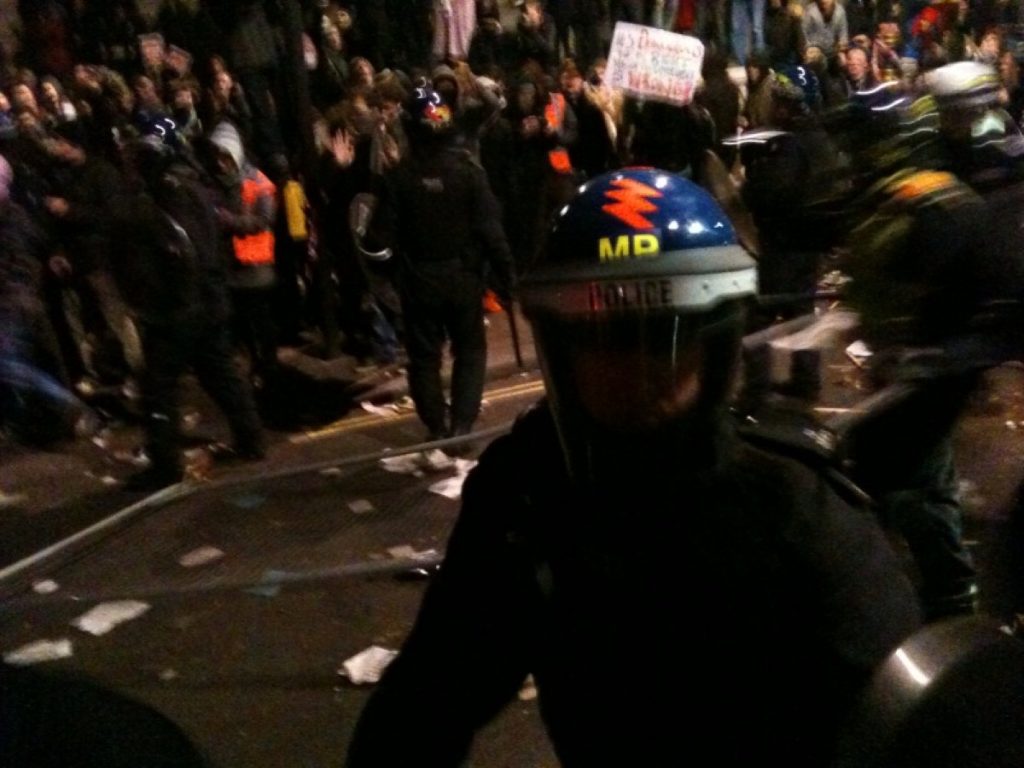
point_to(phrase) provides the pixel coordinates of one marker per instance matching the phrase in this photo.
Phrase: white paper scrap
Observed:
(436, 460)
(378, 410)
(407, 464)
(451, 487)
(104, 617)
(360, 506)
(405, 552)
(200, 556)
(40, 650)
(45, 587)
(367, 666)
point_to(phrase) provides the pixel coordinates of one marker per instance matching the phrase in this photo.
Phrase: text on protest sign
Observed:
(654, 64)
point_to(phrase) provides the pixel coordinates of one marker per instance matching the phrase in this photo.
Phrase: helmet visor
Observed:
(618, 383)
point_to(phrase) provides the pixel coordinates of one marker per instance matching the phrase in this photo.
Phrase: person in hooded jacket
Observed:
(246, 219)
(169, 254)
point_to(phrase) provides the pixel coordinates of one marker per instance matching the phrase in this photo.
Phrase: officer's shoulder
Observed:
(797, 453)
(532, 444)
(925, 187)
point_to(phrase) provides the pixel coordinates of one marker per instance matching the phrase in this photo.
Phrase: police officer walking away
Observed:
(445, 223)
(938, 278)
(624, 517)
(179, 285)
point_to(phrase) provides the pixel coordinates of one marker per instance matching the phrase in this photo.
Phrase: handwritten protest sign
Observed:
(653, 64)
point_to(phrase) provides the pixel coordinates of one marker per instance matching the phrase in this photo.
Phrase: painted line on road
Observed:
(182, 490)
(372, 419)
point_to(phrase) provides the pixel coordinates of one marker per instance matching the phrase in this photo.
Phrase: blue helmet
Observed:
(161, 133)
(798, 83)
(428, 113)
(639, 240)
(635, 307)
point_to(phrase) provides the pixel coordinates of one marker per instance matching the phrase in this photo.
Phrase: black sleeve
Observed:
(469, 650)
(487, 222)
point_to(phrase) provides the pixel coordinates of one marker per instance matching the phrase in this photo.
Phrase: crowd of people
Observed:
(529, 105)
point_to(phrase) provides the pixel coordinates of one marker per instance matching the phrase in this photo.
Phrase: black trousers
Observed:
(445, 304)
(204, 346)
(905, 461)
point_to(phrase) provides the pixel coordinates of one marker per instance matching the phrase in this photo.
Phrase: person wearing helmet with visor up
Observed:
(623, 521)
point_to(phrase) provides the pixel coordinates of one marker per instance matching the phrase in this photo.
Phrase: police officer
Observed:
(445, 223)
(168, 255)
(937, 286)
(984, 146)
(673, 591)
(789, 171)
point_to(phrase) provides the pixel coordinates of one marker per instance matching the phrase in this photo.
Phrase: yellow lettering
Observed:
(621, 250)
(645, 245)
(624, 247)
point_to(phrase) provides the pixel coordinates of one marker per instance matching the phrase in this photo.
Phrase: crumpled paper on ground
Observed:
(434, 460)
(451, 487)
(405, 405)
(40, 650)
(200, 556)
(367, 666)
(45, 587)
(105, 616)
(406, 552)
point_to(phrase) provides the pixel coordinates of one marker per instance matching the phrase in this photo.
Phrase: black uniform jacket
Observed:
(725, 616)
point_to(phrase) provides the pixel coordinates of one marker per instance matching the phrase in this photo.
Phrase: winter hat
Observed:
(225, 138)
(443, 72)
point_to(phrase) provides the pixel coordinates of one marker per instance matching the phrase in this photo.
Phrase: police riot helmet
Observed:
(636, 311)
(798, 83)
(964, 85)
(161, 133)
(428, 114)
(978, 130)
(950, 696)
(885, 130)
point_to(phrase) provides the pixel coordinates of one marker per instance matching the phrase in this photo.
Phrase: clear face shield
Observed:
(637, 314)
(632, 389)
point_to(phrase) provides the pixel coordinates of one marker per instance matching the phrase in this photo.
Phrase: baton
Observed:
(514, 330)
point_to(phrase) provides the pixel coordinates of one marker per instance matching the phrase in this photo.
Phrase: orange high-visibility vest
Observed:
(554, 113)
(257, 248)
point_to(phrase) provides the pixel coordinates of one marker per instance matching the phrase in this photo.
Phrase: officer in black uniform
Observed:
(675, 593)
(444, 221)
(168, 257)
(790, 168)
(984, 147)
(937, 285)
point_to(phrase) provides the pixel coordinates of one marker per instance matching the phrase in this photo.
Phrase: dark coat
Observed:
(732, 610)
